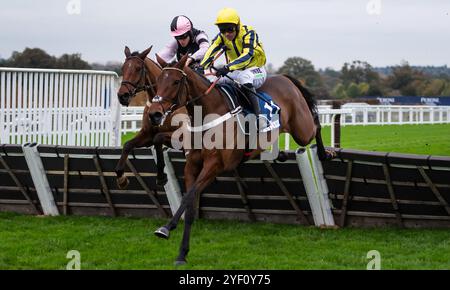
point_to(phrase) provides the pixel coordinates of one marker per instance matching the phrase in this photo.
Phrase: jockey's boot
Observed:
(250, 92)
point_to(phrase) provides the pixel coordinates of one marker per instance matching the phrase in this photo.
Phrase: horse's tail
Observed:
(309, 98)
(312, 105)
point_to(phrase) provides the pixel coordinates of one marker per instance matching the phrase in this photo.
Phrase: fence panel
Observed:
(61, 107)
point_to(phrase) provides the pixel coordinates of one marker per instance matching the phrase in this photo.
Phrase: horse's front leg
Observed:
(191, 171)
(159, 140)
(143, 138)
(207, 174)
(205, 178)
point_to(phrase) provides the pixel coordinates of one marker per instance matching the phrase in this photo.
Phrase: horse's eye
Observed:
(177, 82)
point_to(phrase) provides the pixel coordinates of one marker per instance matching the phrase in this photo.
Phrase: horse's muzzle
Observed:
(124, 99)
(156, 118)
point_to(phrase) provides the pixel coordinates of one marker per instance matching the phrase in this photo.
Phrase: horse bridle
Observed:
(138, 86)
(177, 103)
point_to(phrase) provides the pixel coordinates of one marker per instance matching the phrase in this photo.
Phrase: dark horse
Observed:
(140, 74)
(181, 86)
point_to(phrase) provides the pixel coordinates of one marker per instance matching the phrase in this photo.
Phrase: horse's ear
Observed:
(161, 61)
(182, 61)
(143, 54)
(127, 51)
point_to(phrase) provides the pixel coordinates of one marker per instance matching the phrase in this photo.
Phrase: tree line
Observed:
(354, 80)
(39, 58)
(359, 79)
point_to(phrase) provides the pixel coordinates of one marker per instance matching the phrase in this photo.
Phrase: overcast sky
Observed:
(327, 32)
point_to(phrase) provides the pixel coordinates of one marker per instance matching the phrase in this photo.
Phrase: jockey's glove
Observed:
(223, 71)
(198, 68)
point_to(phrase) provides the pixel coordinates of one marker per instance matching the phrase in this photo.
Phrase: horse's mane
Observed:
(202, 76)
(137, 53)
(154, 62)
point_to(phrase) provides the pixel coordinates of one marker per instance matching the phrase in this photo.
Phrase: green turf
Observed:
(29, 242)
(415, 139)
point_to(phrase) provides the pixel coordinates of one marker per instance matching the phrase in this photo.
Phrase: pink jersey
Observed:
(196, 49)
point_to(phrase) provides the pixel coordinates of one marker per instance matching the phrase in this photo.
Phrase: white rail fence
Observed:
(396, 115)
(61, 107)
(132, 117)
(76, 107)
(352, 115)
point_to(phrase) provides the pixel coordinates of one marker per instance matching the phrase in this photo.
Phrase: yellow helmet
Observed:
(227, 15)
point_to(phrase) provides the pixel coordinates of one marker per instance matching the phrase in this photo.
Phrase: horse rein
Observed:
(137, 87)
(161, 99)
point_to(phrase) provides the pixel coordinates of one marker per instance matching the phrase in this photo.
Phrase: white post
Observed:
(39, 177)
(323, 187)
(172, 188)
(4, 112)
(116, 134)
(315, 186)
(390, 116)
(365, 116)
(333, 117)
(287, 140)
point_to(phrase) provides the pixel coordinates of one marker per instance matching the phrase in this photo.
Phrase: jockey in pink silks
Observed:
(188, 40)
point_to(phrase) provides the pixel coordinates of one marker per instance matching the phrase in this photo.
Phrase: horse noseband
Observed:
(157, 99)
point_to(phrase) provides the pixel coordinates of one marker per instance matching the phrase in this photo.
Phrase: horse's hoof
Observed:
(162, 232)
(161, 181)
(331, 154)
(282, 156)
(180, 263)
(122, 182)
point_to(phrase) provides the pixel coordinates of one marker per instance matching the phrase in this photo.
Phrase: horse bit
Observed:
(160, 99)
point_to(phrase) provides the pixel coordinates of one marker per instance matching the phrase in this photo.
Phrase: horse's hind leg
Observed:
(304, 135)
(322, 153)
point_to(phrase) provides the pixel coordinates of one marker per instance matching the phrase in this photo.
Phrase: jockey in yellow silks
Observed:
(244, 52)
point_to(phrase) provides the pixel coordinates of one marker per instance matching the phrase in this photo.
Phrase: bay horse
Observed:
(181, 86)
(139, 75)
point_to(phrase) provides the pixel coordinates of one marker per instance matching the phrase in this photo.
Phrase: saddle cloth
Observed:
(270, 111)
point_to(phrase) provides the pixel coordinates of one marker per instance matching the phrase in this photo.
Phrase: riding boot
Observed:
(250, 92)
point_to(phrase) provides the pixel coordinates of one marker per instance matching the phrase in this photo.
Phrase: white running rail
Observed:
(60, 107)
(395, 115)
(357, 115)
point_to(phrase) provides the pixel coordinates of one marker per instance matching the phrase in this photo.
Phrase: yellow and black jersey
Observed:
(243, 52)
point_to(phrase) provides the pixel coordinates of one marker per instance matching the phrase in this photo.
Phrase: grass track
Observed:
(30, 242)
